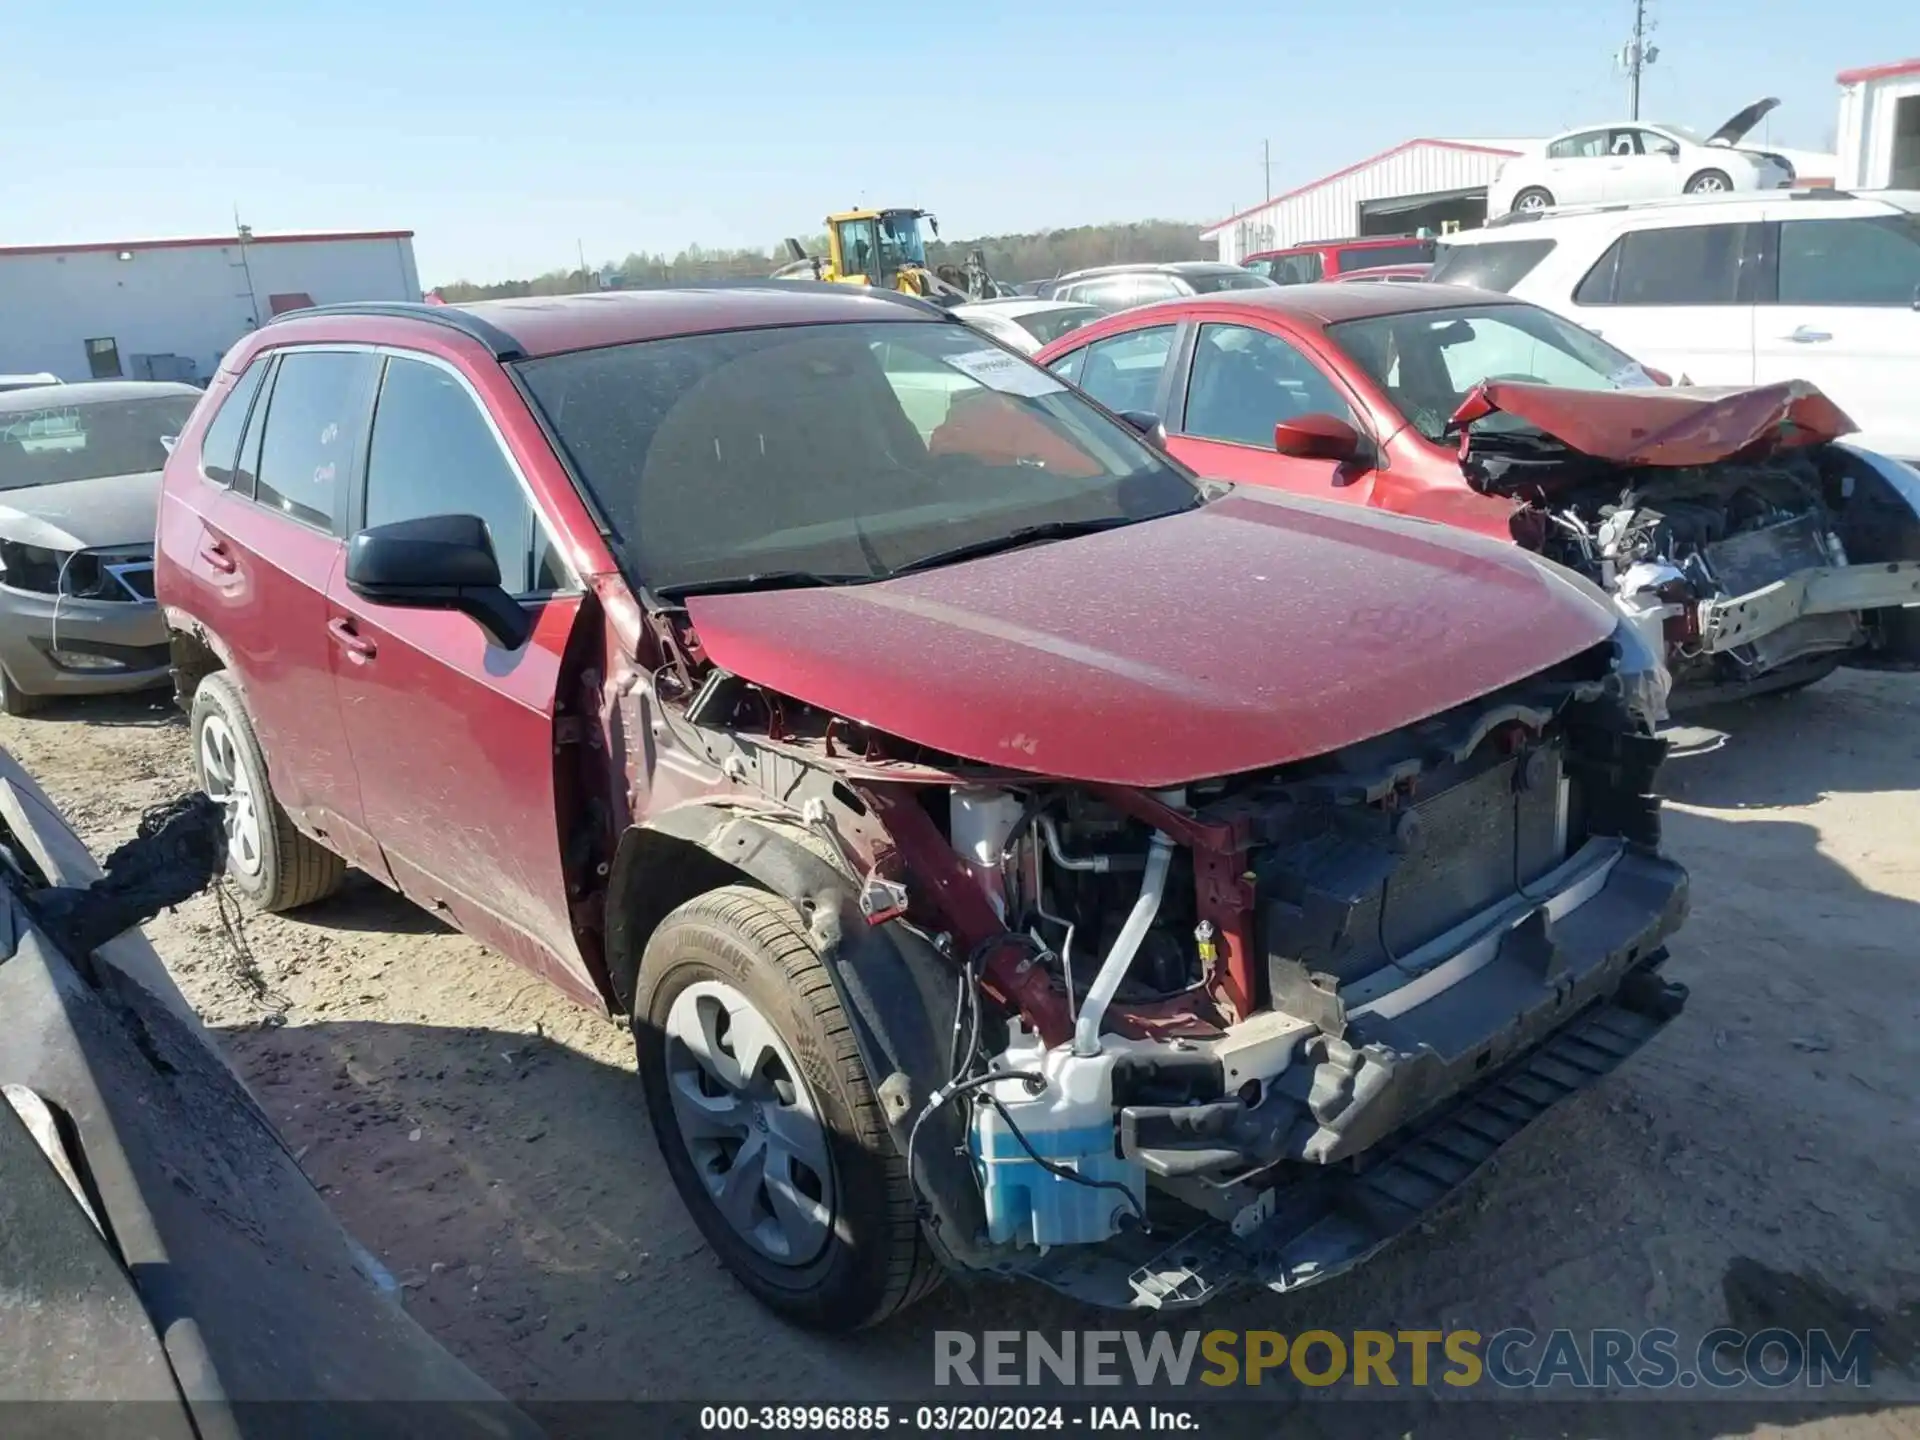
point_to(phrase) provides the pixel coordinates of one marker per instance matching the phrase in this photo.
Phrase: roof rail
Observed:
(820, 287)
(501, 345)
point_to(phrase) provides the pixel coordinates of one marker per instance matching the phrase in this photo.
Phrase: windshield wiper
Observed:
(1025, 535)
(765, 580)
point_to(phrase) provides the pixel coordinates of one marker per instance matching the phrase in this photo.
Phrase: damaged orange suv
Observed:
(1013, 855)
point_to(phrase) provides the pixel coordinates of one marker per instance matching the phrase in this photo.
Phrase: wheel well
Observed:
(654, 874)
(193, 660)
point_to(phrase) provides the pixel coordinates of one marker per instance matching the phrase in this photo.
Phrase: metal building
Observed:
(169, 309)
(1433, 185)
(1879, 130)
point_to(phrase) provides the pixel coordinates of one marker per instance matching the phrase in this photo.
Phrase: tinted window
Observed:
(1301, 269)
(1208, 282)
(1869, 260)
(1365, 257)
(433, 453)
(1679, 265)
(788, 456)
(222, 440)
(1497, 265)
(1047, 326)
(1245, 381)
(1124, 373)
(314, 416)
(52, 442)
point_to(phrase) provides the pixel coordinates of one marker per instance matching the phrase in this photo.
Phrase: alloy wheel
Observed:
(225, 780)
(749, 1123)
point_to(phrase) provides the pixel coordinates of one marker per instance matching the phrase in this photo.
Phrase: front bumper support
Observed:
(1829, 590)
(1324, 1220)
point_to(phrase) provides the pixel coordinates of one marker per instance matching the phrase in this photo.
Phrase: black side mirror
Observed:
(439, 562)
(1149, 426)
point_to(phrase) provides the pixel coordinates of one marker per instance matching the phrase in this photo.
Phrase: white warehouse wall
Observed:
(1868, 129)
(1329, 209)
(189, 299)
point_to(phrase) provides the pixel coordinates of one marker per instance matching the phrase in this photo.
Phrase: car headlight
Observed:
(52, 572)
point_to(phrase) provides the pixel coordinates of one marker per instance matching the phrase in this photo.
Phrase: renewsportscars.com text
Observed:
(1512, 1359)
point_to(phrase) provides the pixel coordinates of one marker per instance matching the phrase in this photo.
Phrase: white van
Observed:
(1819, 285)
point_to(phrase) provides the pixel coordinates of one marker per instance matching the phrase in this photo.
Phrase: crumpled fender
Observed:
(897, 990)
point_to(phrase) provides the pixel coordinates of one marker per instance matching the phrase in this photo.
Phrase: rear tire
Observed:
(1532, 199)
(268, 859)
(15, 701)
(1710, 182)
(823, 1229)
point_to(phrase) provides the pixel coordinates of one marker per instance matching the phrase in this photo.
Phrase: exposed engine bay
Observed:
(1667, 540)
(1751, 572)
(1209, 999)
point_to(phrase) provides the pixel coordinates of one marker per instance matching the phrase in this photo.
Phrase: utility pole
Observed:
(1266, 164)
(1638, 55)
(581, 245)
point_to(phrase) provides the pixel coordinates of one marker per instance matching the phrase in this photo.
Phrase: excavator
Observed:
(884, 249)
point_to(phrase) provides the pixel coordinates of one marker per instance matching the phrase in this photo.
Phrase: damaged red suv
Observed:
(1013, 855)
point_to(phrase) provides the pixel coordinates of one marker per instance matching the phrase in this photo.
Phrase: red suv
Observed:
(1324, 259)
(1009, 851)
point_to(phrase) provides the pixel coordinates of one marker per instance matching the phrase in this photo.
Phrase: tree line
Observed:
(1012, 258)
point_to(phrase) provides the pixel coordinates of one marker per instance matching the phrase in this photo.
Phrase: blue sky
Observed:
(504, 133)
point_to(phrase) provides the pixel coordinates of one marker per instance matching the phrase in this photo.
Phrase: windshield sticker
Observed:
(1006, 373)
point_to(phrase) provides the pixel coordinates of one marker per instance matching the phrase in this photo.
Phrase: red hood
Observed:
(1247, 633)
(1666, 426)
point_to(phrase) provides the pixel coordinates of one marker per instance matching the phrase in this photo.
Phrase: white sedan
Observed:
(1634, 161)
(1026, 325)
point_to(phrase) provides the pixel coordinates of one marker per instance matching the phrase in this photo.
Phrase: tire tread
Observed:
(774, 927)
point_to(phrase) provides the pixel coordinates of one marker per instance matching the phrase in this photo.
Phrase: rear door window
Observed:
(1495, 265)
(1123, 373)
(315, 418)
(1365, 257)
(1863, 260)
(221, 444)
(1675, 265)
(433, 453)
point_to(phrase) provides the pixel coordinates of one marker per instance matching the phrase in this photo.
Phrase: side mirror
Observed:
(440, 562)
(1317, 437)
(1672, 152)
(1149, 426)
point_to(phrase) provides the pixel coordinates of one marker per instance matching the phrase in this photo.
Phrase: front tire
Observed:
(15, 701)
(1710, 182)
(268, 859)
(1532, 199)
(766, 1118)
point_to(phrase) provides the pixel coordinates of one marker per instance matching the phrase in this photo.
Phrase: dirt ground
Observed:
(1758, 1163)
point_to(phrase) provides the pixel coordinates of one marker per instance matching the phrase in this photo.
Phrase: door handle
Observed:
(1802, 335)
(359, 649)
(214, 552)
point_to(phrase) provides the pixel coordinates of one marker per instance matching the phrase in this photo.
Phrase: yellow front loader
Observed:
(885, 249)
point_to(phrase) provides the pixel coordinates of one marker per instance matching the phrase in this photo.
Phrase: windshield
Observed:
(56, 443)
(900, 241)
(1428, 361)
(1047, 326)
(1206, 282)
(839, 453)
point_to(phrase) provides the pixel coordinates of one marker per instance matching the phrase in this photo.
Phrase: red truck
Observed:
(1324, 259)
(1013, 855)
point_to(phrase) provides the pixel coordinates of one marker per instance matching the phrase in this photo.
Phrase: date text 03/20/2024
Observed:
(991, 1419)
